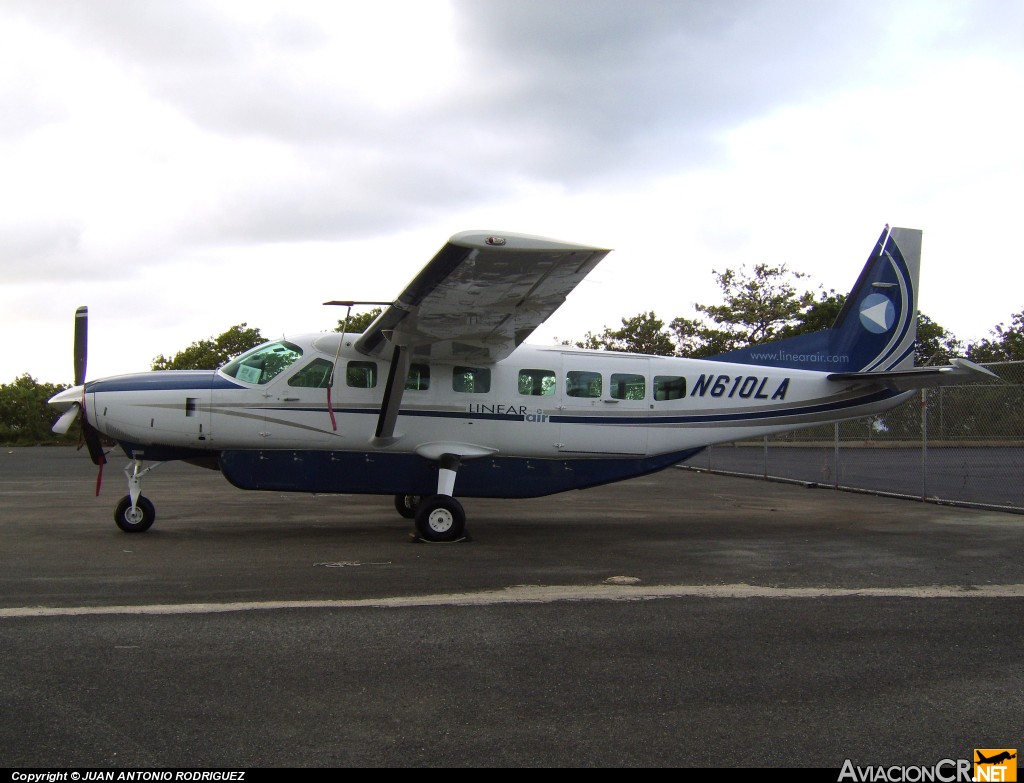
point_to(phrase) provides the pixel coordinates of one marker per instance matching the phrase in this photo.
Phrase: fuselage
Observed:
(637, 413)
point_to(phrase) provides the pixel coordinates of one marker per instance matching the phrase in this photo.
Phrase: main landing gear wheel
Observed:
(138, 520)
(406, 505)
(440, 518)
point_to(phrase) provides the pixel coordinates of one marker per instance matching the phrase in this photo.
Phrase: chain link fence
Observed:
(959, 445)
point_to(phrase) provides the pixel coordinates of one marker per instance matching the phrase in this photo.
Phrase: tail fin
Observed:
(877, 327)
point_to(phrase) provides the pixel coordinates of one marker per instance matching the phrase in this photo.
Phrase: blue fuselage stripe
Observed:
(641, 417)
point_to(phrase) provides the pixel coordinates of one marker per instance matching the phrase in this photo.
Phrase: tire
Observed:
(139, 522)
(440, 518)
(406, 505)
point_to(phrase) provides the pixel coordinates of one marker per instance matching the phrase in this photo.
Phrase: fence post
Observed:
(835, 459)
(924, 444)
(765, 476)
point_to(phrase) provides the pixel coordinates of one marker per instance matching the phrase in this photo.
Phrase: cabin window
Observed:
(627, 386)
(419, 377)
(262, 363)
(579, 383)
(669, 387)
(315, 375)
(537, 383)
(471, 380)
(361, 375)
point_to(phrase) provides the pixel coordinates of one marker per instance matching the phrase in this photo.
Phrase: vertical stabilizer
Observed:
(877, 327)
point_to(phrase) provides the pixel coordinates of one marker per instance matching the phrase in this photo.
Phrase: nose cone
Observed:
(65, 400)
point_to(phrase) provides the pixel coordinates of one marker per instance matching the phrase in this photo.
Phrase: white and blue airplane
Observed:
(441, 396)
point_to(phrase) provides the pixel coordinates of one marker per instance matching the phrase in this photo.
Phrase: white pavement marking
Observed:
(537, 594)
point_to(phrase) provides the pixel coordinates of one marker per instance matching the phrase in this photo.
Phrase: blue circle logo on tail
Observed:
(877, 313)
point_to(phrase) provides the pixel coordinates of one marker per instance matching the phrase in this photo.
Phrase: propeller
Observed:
(81, 343)
(63, 424)
(89, 433)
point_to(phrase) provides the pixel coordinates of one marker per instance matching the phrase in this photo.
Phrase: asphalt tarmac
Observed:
(679, 620)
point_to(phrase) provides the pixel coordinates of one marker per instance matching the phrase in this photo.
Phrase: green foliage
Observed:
(935, 345)
(214, 352)
(819, 314)
(757, 306)
(765, 305)
(25, 418)
(358, 323)
(643, 333)
(1007, 343)
(697, 340)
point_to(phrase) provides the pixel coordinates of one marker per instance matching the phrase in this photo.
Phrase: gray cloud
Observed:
(40, 248)
(226, 124)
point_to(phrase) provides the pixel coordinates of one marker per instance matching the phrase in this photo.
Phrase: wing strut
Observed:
(393, 392)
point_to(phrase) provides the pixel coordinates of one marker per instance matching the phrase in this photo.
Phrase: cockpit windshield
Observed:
(260, 364)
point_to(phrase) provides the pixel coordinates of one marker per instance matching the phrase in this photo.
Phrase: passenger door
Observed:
(605, 406)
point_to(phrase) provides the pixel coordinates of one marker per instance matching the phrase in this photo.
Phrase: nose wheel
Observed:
(440, 518)
(135, 518)
(135, 513)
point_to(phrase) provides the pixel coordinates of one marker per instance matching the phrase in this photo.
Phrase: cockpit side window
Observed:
(262, 363)
(315, 375)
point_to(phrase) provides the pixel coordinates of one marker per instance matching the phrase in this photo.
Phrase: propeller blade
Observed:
(81, 343)
(63, 424)
(92, 442)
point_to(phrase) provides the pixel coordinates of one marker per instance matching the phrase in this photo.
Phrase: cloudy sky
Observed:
(181, 167)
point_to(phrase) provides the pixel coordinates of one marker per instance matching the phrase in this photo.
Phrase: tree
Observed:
(697, 340)
(1007, 343)
(820, 314)
(765, 305)
(758, 305)
(935, 345)
(358, 323)
(211, 354)
(25, 418)
(643, 333)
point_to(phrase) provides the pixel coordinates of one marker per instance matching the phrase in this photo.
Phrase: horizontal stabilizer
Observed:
(958, 371)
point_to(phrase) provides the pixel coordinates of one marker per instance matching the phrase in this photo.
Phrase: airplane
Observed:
(441, 395)
(996, 759)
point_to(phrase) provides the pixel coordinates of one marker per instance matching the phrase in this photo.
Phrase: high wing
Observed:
(476, 301)
(481, 296)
